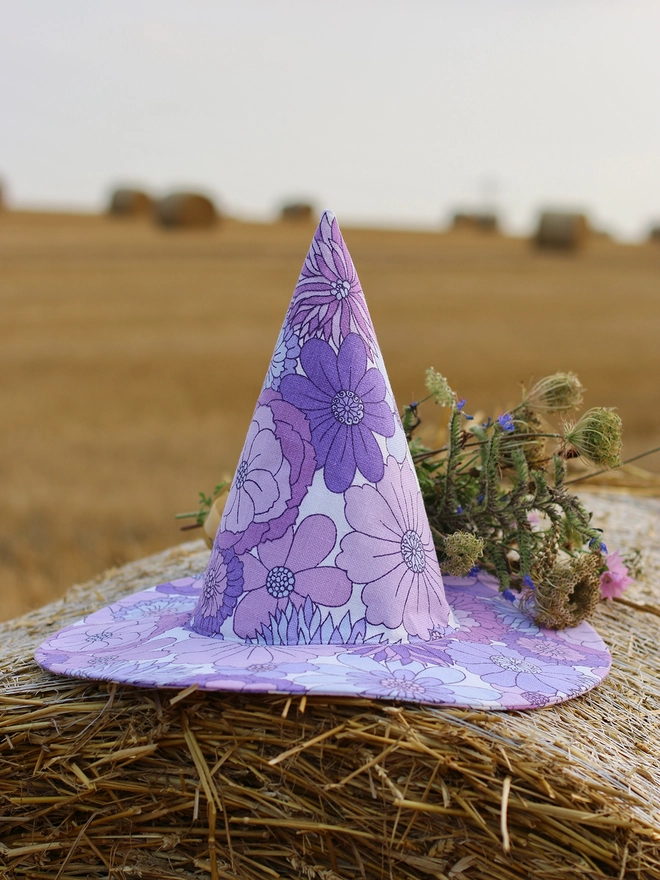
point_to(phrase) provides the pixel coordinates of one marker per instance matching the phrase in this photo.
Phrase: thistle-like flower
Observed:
(597, 437)
(557, 393)
(460, 551)
(437, 385)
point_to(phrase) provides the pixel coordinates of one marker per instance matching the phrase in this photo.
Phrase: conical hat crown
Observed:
(324, 537)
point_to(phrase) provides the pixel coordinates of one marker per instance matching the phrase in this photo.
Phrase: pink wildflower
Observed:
(615, 579)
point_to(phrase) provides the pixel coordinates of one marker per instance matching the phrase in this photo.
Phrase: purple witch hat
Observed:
(323, 578)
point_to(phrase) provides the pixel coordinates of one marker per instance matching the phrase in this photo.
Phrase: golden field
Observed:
(131, 358)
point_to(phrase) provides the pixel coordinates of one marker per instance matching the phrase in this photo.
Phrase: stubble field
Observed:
(131, 359)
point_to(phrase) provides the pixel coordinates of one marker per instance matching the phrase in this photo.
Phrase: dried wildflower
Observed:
(569, 593)
(597, 437)
(439, 388)
(461, 551)
(557, 393)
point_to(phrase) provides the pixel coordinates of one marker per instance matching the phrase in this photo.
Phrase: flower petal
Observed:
(371, 387)
(254, 572)
(314, 539)
(365, 558)
(351, 362)
(368, 456)
(320, 364)
(379, 417)
(340, 462)
(274, 553)
(325, 585)
(252, 612)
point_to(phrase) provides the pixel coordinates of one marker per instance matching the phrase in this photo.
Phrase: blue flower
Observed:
(506, 423)
(459, 509)
(509, 596)
(460, 404)
(528, 582)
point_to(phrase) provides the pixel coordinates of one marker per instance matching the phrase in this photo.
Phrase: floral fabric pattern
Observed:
(453, 670)
(222, 585)
(323, 578)
(287, 571)
(328, 301)
(344, 401)
(274, 472)
(391, 551)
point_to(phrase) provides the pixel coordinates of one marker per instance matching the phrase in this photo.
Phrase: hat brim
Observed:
(497, 658)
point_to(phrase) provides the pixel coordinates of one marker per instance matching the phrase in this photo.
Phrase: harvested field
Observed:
(131, 358)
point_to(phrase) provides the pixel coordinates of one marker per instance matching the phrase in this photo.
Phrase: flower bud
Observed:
(438, 386)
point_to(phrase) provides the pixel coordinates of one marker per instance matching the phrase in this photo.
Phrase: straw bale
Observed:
(130, 203)
(117, 782)
(298, 212)
(561, 231)
(186, 209)
(654, 234)
(481, 222)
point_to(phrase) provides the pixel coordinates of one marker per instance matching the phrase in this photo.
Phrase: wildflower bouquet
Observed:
(496, 496)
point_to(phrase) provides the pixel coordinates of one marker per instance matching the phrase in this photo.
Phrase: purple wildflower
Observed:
(506, 423)
(345, 404)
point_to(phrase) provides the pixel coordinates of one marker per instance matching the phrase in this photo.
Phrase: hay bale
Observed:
(185, 209)
(479, 222)
(561, 231)
(130, 203)
(654, 234)
(297, 212)
(98, 780)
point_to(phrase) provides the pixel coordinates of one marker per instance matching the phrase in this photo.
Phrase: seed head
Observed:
(557, 393)
(597, 437)
(460, 551)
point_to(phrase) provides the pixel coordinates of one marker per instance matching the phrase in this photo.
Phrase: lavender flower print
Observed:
(274, 473)
(223, 584)
(345, 404)
(503, 667)
(391, 551)
(285, 357)
(328, 301)
(288, 570)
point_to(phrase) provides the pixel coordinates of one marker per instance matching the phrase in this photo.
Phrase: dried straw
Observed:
(116, 782)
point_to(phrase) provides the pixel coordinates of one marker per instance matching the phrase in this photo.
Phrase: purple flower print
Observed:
(288, 570)
(328, 301)
(285, 358)
(391, 552)
(503, 667)
(345, 404)
(275, 470)
(222, 585)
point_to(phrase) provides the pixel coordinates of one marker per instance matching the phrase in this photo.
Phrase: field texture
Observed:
(131, 359)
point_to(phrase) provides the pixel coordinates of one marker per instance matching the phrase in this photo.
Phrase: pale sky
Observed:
(390, 113)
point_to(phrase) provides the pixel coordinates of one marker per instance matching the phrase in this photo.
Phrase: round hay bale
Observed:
(561, 231)
(479, 222)
(297, 212)
(98, 780)
(130, 203)
(654, 234)
(187, 210)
